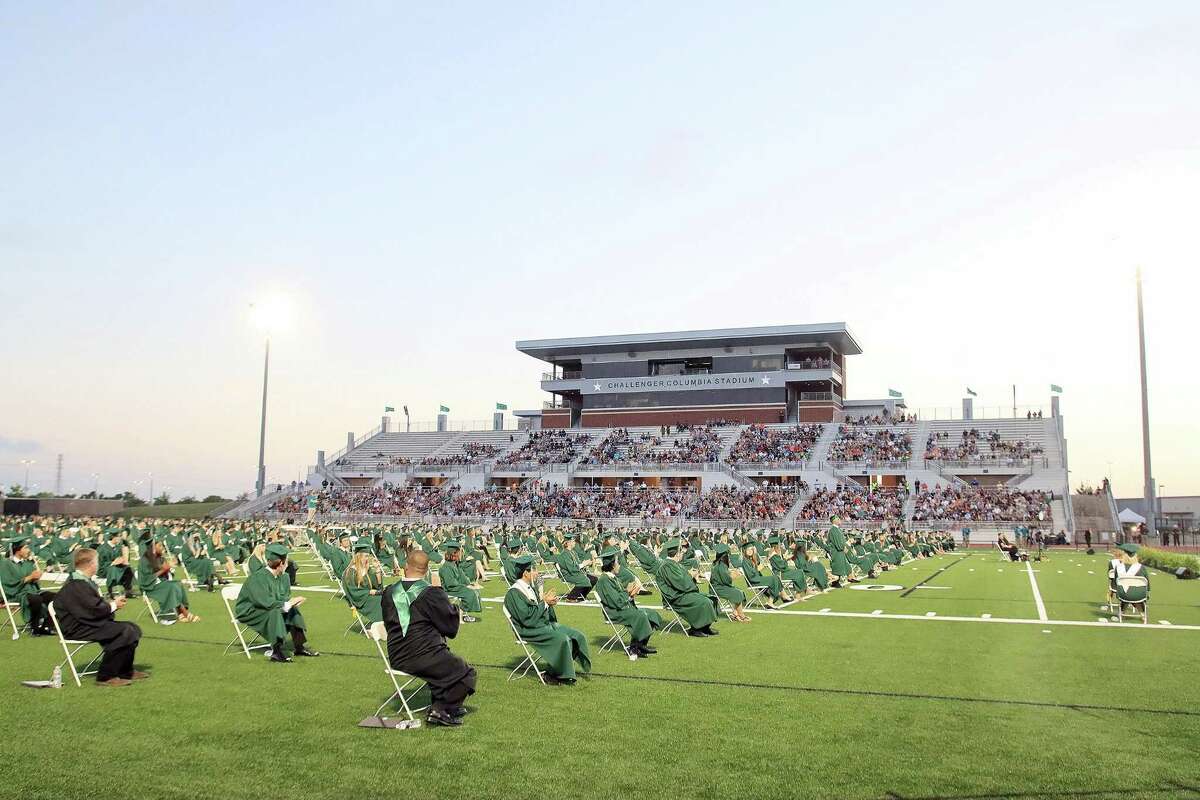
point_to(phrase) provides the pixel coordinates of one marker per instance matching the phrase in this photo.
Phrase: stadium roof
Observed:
(833, 333)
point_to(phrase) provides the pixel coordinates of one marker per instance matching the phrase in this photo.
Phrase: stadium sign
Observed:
(682, 383)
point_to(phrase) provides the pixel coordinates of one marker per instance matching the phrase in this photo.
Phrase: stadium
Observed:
(812, 422)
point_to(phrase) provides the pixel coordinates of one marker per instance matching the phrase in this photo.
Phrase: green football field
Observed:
(953, 680)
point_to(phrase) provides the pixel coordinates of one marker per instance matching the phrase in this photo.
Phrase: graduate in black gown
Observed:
(83, 614)
(419, 618)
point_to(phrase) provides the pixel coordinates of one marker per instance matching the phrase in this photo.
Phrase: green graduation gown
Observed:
(838, 563)
(169, 593)
(456, 585)
(721, 582)
(538, 625)
(681, 592)
(368, 605)
(622, 610)
(260, 607)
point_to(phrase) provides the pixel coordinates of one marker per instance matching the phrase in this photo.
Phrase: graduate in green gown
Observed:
(618, 602)
(363, 583)
(456, 583)
(195, 558)
(265, 605)
(789, 570)
(19, 575)
(679, 589)
(772, 583)
(570, 567)
(839, 565)
(537, 624)
(721, 584)
(156, 581)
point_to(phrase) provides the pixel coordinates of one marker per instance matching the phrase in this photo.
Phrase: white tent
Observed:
(1130, 517)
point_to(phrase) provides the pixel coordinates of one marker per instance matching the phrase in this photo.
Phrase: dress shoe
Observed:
(443, 719)
(138, 675)
(114, 682)
(304, 651)
(279, 657)
(647, 650)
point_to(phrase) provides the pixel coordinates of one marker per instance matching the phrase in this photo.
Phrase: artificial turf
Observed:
(789, 705)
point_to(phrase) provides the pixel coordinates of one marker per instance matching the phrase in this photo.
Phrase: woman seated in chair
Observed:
(619, 604)
(535, 621)
(771, 583)
(789, 569)
(721, 583)
(1002, 541)
(195, 558)
(223, 552)
(155, 581)
(363, 581)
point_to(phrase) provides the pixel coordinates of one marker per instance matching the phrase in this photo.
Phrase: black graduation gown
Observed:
(423, 651)
(83, 614)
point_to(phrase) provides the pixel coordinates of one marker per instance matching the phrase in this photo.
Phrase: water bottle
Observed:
(633, 656)
(56, 678)
(407, 724)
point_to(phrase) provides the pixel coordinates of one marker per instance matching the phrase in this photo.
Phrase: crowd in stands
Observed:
(853, 504)
(880, 419)
(538, 499)
(620, 446)
(982, 505)
(870, 444)
(765, 502)
(547, 447)
(759, 444)
(1101, 489)
(472, 453)
(938, 447)
(387, 499)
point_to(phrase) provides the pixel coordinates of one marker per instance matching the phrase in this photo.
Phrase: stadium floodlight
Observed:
(27, 462)
(271, 316)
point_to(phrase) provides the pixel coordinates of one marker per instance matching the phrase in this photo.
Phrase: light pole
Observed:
(1148, 488)
(262, 430)
(27, 462)
(96, 485)
(270, 316)
(151, 488)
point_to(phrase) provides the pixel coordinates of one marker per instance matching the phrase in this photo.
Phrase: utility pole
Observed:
(260, 484)
(1148, 488)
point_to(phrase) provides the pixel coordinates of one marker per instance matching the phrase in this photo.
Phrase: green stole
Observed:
(403, 599)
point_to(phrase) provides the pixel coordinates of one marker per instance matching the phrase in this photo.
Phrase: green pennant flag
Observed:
(894, 393)
(444, 409)
(971, 392)
(502, 406)
(1054, 387)
(387, 409)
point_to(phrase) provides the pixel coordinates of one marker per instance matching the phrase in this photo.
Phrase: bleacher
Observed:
(385, 448)
(459, 448)
(1039, 433)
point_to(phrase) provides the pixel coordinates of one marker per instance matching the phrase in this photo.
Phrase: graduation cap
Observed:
(451, 544)
(671, 546)
(773, 540)
(17, 544)
(722, 549)
(609, 556)
(1129, 548)
(277, 549)
(523, 564)
(363, 546)
(568, 536)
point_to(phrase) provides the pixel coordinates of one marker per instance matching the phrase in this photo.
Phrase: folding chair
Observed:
(675, 621)
(617, 638)
(11, 619)
(1133, 590)
(356, 622)
(378, 634)
(531, 655)
(1004, 556)
(229, 597)
(70, 648)
(160, 617)
(722, 603)
(755, 595)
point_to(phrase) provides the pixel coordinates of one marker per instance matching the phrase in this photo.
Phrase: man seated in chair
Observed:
(457, 583)
(20, 575)
(678, 587)
(265, 604)
(84, 615)
(537, 624)
(571, 568)
(619, 604)
(419, 619)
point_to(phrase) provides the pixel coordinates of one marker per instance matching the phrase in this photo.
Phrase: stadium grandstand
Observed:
(698, 428)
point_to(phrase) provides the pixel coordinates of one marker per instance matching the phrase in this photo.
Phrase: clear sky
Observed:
(969, 186)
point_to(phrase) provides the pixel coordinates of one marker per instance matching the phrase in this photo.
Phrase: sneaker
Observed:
(469, 618)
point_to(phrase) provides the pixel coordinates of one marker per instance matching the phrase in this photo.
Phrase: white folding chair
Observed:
(11, 618)
(159, 616)
(378, 634)
(755, 595)
(229, 596)
(675, 622)
(70, 648)
(531, 655)
(617, 638)
(722, 603)
(1133, 590)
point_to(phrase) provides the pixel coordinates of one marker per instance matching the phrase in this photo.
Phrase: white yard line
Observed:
(1037, 596)
(825, 612)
